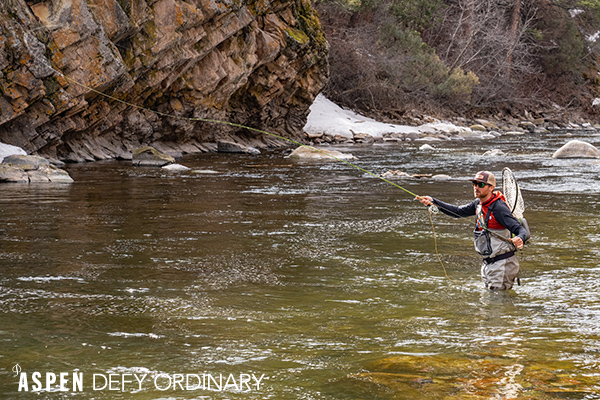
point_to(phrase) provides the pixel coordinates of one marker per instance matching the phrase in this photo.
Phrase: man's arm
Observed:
(450, 209)
(506, 219)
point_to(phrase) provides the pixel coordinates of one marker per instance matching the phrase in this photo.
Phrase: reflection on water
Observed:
(318, 276)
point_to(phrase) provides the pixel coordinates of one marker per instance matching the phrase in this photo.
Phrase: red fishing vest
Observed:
(492, 223)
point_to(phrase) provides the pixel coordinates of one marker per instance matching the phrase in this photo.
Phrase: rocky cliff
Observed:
(252, 62)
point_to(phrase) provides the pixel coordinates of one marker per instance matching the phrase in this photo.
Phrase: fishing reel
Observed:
(433, 209)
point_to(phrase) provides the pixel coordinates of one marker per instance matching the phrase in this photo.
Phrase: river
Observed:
(298, 280)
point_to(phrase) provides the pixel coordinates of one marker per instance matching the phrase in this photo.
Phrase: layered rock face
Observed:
(258, 63)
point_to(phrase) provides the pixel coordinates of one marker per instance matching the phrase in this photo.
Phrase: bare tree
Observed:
(512, 35)
(491, 39)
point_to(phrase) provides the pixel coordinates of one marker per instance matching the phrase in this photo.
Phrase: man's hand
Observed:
(518, 242)
(425, 200)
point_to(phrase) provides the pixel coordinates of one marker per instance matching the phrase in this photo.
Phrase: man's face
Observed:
(482, 192)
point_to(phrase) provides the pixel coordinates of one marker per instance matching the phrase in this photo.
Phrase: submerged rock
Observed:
(310, 153)
(577, 149)
(149, 156)
(446, 377)
(225, 146)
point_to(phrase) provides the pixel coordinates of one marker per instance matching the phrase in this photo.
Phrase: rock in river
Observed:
(176, 168)
(225, 146)
(31, 169)
(149, 156)
(577, 149)
(310, 153)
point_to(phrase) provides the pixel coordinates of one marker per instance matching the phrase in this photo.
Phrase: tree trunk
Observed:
(469, 15)
(512, 36)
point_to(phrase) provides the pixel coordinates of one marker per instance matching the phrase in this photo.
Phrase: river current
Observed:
(298, 280)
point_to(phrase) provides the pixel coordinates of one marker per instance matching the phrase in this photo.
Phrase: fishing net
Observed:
(512, 193)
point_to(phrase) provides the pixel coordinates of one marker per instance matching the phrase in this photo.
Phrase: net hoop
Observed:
(512, 193)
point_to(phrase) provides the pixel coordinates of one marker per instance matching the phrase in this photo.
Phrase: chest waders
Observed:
(499, 268)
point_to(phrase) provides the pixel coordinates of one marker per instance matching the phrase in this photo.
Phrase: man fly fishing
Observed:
(493, 230)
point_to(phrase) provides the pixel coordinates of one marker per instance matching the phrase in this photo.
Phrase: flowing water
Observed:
(318, 278)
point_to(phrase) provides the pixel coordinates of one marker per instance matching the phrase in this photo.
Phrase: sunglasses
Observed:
(480, 185)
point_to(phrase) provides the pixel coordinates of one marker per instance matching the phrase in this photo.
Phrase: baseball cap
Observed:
(485, 177)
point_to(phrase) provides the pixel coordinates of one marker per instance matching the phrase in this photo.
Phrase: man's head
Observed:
(484, 183)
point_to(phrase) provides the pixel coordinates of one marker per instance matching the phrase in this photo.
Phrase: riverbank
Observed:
(328, 123)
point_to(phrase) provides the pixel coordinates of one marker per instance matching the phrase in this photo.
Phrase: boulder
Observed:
(25, 162)
(225, 146)
(494, 153)
(310, 153)
(577, 149)
(487, 124)
(54, 175)
(478, 127)
(530, 126)
(363, 138)
(175, 168)
(341, 139)
(9, 173)
(31, 169)
(149, 156)
(314, 135)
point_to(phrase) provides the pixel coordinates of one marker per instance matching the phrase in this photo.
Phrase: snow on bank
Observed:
(575, 12)
(329, 118)
(9, 150)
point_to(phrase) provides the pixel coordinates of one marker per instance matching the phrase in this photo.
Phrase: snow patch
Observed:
(10, 150)
(329, 118)
(575, 12)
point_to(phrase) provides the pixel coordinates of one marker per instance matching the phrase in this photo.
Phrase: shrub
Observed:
(458, 86)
